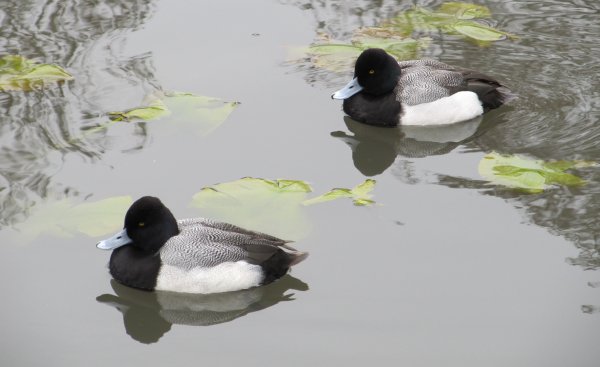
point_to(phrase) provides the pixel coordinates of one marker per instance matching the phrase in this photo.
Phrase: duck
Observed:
(156, 252)
(426, 92)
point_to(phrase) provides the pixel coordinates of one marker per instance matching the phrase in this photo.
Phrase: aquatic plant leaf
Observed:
(331, 195)
(155, 110)
(341, 57)
(528, 174)
(326, 49)
(360, 195)
(271, 206)
(395, 35)
(201, 114)
(478, 31)
(19, 73)
(333, 57)
(464, 10)
(453, 18)
(65, 219)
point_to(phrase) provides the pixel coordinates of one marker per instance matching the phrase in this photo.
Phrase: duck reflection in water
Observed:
(374, 149)
(147, 316)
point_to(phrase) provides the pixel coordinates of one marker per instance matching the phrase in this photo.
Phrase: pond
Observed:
(446, 267)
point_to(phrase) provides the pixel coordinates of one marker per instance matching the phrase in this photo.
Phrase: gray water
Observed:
(446, 270)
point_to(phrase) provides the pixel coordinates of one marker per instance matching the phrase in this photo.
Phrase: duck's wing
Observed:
(424, 81)
(207, 243)
(229, 228)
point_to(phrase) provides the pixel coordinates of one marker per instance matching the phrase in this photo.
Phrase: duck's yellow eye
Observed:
(371, 71)
(141, 224)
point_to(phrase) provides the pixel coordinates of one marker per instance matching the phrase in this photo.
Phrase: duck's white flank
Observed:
(458, 107)
(225, 277)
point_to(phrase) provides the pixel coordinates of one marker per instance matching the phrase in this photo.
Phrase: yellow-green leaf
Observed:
(200, 114)
(464, 10)
(528, 174)
(271, 206)
(360, 195)
(64, 218)
(155, 110)
(19, 73)
(478, 31)
(453, 17)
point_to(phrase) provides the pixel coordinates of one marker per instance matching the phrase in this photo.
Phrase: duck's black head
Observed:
(149, 224)
(376, 71)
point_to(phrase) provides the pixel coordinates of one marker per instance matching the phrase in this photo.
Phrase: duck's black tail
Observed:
(278, 265)
(490, 92)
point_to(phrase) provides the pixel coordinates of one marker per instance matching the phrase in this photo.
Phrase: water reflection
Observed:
(39, 128)
(147, 316)
(374, 149)
(568, 212)
(553, 66)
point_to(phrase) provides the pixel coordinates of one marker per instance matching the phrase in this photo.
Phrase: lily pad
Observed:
(270, 206)
(201, 114)
(528, 174)
(155, 110)
(464, 10)
(19, 73)
(340, 57)
(478, 31)
(395, 35)
(454, 18)
(360, 195)
(64, 219)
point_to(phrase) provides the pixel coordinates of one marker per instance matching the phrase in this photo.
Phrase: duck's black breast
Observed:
(379, 110)
(134, 267)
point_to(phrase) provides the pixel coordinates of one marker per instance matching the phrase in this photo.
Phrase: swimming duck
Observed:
(154, 251)
(385, 92)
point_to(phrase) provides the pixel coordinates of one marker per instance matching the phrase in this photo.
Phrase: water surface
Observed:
(448, 270)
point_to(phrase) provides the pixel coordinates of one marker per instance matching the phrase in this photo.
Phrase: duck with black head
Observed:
(154, 251)
(388, 93)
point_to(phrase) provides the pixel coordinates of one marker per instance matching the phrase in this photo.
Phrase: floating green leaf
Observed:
(464, 10)
(528, 174)
(63, 218)
(478, 31)
(395, 35)
(340, 57)
(361, 194)
(19, 73)
(453, 18)
(201, 114)
(155, 110)
(271, 206)
(333, 57)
